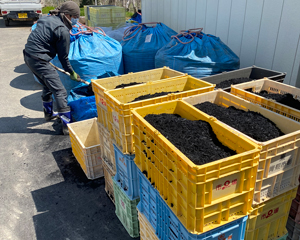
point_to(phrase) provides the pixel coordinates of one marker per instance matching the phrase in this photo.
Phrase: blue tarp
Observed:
(141, 44)
(197, 54)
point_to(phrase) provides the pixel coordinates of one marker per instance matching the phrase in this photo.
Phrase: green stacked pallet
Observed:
(126, 211)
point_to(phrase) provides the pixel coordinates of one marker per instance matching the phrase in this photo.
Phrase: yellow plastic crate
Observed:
(107, 150)
(268, 220)
(206, 196)
(119, 104)
(240, 90)
(279, 165)
(102, 85)
(109, 186)
(100, 14)
(86, 147)
(146, 230)
(118, 15)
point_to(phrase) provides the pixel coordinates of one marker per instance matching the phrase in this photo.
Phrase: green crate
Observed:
(126, 211)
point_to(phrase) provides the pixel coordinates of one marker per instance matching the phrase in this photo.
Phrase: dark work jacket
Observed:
(50, 37)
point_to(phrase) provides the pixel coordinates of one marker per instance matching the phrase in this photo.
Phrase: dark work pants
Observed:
(49, 78)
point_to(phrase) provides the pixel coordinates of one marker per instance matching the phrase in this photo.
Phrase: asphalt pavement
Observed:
(44, 194)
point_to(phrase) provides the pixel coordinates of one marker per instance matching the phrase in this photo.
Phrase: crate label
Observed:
(122, 203)
(121, 159)
(148, 38)
(272, 212)
(115, 119)
(102, 102)
(281, 162)
(225, 186)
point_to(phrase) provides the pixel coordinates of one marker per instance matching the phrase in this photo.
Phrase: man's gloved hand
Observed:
(74, 76)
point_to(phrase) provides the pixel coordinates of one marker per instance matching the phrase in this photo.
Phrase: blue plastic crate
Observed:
(127, 175)
(168, 227)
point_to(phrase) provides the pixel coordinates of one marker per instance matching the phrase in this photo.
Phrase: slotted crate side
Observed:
(168, 226)
(240, 90)
(193, 191)
(107, 151)
(84, 137)
(146, 230)
(109, 187)
(277, 156)
(102, 117)
(119, 103)
(293, 229)
(126, 175)
(249, 72)
(268, 219)
(126, 211)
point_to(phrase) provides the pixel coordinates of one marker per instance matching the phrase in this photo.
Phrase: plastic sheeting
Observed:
(140, 44)
(91, 54)
(118, 33)
(197, 54)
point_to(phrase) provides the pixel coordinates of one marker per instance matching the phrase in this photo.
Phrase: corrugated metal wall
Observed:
(265, 33)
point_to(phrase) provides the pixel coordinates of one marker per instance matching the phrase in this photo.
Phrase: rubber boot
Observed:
(48, 111)
(66, 118)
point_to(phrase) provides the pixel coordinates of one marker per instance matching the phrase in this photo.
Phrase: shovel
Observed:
(63, 71)
(89, 86)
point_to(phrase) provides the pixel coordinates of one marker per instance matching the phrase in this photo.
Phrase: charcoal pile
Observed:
(251, 123)
(229, 82)
(127, 84)
(195, 139)
(147, 96)
(286, 99)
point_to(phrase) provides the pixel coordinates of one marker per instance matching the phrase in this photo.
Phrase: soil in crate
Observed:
(286, 99)
(128, 84)
(195, 139)
(229, 82)
(251, 123)
(143, 97)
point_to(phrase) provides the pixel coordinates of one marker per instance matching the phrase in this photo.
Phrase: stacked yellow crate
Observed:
(278, 171)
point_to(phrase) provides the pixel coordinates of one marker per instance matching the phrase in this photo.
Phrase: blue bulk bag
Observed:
(140, 44)
(91, 54)
(83, 108)
(197, 54)
(82, 100)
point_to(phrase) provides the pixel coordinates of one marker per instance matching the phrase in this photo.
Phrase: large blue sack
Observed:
(91, 53)
(82, 100)
(197, 54)
(140, 44)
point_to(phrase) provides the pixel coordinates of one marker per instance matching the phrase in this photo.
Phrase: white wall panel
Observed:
(236, 26)
(288, 36)
(211, 16)
(190, 14)
(261, 32)
(200, 19)
(223, 20)
(268, 33)
(174, 14)
(250, 34)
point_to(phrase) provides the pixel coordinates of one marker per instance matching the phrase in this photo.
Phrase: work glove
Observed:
(74, 76)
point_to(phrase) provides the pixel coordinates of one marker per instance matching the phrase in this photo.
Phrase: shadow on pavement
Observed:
(77, 208)
(25, 82)
(22, 69)
(23, 124)
(33, 102)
